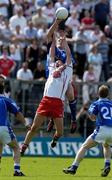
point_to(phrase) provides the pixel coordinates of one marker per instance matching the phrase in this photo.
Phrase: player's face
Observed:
(59, 63)
(60, 37)
(60, 42)
(61, 33)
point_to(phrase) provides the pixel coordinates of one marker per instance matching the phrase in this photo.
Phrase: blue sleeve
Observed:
(47, 67)
(60, 54)
(93, 109)
(12, 106)
(57, 52)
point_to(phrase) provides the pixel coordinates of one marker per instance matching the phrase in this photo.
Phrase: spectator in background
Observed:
(4, 4)
(30, 32)
(24, 75)
(16, 5)
(39, 72)
(15, 54)
(95, 34)
(32, 54)
(80, 41)
(18, 19)
(95, 58)
(7, 65)
(28, 9)
(88, 22)
(72, 22)
(39, 75)
(101, 13)
(86, 126)
(80, 51)
(89, 88)
(108, 34)
(18, 36)
(61, 3)
(39, 3)
(1, 20)
(49, 11)
(6, 33)
(39, 18)
(103, 49)
(76, 6)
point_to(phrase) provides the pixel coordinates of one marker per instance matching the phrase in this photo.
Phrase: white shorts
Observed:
(6, 134)
(103, 134)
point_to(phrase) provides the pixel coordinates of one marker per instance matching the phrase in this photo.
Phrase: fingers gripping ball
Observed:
(61, 13)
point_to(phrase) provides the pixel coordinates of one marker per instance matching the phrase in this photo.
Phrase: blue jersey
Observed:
(102, 108)
(7, 105)
(59, 54)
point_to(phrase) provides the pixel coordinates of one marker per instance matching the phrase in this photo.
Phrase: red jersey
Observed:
(6, 65)
(87, 20)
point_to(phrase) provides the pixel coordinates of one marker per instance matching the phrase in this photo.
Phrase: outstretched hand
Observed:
(58, 21)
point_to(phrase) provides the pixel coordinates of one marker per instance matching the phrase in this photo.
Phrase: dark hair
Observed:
(61, 25)
(1, 88)
(103, 91)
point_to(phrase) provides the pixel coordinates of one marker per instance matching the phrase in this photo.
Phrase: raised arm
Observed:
(68, 52)
(52, 49)
(52, 29)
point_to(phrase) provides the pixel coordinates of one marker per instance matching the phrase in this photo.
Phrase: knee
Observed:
(16, 148)
(70, 96)
(84, 146)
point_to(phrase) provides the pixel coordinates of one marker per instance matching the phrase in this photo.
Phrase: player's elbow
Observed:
(92, 117)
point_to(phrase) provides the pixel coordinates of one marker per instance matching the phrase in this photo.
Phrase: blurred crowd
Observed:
(23, 46)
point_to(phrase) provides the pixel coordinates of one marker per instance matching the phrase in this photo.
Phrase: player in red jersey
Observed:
(51, 104)
(61, 53)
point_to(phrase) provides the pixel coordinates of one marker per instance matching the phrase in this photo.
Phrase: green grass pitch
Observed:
(37, 168)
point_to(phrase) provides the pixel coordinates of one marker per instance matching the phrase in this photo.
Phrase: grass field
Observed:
(51, 169)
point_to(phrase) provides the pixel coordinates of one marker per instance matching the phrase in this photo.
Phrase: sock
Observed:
(17, 167)
(107, 163)
(75, 165)
(72, 105)
(55, 138)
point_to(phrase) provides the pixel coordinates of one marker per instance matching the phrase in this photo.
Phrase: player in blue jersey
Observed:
(60, 53)
(7, 136)
(101, 112)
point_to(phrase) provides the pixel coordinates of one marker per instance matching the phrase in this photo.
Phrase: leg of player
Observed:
(38, 120)
(107, 157)
(16, 156)
(72, 105)
(59, 131)
(50, 125)
(89, 143)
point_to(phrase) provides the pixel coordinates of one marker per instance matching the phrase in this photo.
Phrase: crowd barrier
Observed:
(66, 147)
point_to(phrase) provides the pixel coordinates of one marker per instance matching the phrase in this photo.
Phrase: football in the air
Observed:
(62, 13)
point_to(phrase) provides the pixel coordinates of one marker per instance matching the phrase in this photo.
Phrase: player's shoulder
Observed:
(104, 101)
(94, 104)
(7, 99)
